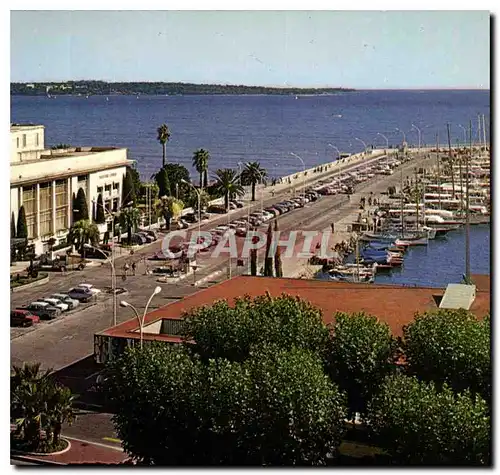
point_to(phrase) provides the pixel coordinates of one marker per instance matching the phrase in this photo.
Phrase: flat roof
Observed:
(395, 305)
(17, 127)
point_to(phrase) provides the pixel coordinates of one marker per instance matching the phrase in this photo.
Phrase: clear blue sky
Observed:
(360, 49)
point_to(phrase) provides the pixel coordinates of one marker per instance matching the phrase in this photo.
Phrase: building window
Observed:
(115, 205)
(99, 190)
(37, 140)
(82, 177)
(29, 203)
(116, 186)
(24, 140)
(17, 140)
(107, 188)
(45, 190)
(61, 204)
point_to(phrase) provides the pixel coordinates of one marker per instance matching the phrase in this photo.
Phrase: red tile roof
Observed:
(394, 305)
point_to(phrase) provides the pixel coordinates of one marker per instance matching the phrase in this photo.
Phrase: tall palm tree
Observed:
(253, 174)
(83, 232)
(228, 185)
(129, 219)
(163, 137)
(170, 207)
(200, 163)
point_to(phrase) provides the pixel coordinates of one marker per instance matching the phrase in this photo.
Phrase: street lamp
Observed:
(364, 144)
(419, 135)
(303, 174)
(465, 133)
(198, 192)
(404, 135)
(335, 148)
(386, 139)
(156, 291)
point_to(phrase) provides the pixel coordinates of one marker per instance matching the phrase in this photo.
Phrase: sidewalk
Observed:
(80, 452)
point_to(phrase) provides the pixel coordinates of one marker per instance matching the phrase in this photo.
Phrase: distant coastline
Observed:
(102, 88)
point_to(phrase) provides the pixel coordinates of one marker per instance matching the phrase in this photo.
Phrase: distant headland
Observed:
(102, 88)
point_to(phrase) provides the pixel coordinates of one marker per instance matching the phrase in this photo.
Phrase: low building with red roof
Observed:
(395, 305)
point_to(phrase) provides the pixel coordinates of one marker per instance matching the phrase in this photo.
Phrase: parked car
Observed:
(239, 204)
(72, 303)
(90, 288)
(148, 238)
(56, 303)
(80, 294)
(190, 217)
(138, 239)
(23, 318)
(43, 310)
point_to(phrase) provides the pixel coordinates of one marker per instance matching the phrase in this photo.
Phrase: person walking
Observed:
(333, 227)
(133, 267)
(126, 267)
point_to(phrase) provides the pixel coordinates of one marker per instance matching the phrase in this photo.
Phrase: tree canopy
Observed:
(128, 188)
(81, 209)
(450, 346)
(361, 355)
(100, 217)
(222, 331)
(419, 424)
(276, 408)
(22, 226)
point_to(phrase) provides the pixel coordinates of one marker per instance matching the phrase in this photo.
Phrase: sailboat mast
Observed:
(402, 207)
(439, 169)
(484, 133)
(450, 158)
(423, 198)
(467, 220)
(417, 198)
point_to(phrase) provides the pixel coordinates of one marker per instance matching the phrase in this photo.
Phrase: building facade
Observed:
(44, 181)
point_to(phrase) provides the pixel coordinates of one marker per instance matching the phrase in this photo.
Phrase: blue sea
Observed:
(267, 129)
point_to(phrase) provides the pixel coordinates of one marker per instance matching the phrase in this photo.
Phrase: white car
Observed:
(64, 298)
(57, 303)
(90, 288)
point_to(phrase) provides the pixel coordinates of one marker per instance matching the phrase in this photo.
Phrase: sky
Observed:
(358, 49)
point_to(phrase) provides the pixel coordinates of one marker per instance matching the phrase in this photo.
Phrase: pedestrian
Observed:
(333, 227)
(126, 267)
(133, 267)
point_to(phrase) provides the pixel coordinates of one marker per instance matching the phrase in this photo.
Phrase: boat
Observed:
(412, 242)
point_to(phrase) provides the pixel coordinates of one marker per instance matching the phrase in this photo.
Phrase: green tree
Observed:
(129, 219)
(450, 346)
(39, 404)
(227, 185)
(81, 210)
(22, 226)
(136, 180)
(177, 176)
(361, 356)
(192, 200)
(223, 331)
(252, 174)
(278, 266)
(99, 212)
(201, 158)
(417, 424)
(170, 208)
(275, 409)
(163, 182)
(12, 226)
(163, 136)
(83, 232)
(268, 260)
(128, 189)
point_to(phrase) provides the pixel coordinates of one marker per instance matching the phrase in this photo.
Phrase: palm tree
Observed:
(170, 207)
(192, 201)
(129, 219)
(200, 163)
(228, 185)
(83, 232)
(253, 174)
(163, 137)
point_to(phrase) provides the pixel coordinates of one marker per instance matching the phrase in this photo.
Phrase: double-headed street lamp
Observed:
(303, 174)
(123, 303)
(364, 144)
(404, 135)
(386, 139)
(336, 149)
(198, 192)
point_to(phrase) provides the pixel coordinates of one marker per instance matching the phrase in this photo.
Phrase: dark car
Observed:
(42, 310)
(23, 318)
(81, 294)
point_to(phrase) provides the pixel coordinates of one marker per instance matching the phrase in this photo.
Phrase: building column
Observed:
(37, 214)
(20, 197)
(53, 207)
(69, 215)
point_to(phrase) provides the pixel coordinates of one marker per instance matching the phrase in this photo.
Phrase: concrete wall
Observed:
(35, 143)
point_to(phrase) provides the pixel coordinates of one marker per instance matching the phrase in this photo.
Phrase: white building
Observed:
(44, 182)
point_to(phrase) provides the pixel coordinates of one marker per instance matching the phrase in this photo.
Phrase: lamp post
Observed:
(198, 192)
(364, 144)
(419, 136)
(303, 174)
(404, 135)
(156, 291)
(386, 139)
(336, 149)
(465, 133)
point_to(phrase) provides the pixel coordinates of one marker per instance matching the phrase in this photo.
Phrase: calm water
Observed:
(442, 261)
(267, 129)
